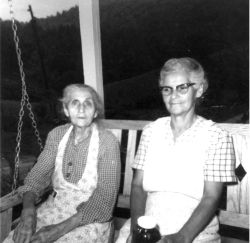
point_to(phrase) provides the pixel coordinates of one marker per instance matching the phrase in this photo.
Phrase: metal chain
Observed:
(24, 100)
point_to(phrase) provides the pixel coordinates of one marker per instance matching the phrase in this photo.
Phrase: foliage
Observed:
(137, 37)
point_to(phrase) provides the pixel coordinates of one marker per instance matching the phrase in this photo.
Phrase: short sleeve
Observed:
(141, 153)
(220, 163)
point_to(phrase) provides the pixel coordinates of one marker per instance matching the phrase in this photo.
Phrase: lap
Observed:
(48, 214)
(95, 232)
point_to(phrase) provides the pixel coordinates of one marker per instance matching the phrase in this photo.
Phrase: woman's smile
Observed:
(175, 103)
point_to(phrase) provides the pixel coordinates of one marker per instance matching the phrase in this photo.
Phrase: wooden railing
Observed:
(236, 212)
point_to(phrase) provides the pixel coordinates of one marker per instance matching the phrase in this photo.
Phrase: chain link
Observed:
(24, 100)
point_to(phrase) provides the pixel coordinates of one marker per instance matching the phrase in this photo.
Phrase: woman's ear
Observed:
(96, 114)
(65, 110)
(199, 92)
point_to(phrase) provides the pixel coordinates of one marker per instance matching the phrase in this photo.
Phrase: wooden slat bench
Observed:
(235, 212)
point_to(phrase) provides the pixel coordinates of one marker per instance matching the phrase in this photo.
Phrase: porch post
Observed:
(91, 44)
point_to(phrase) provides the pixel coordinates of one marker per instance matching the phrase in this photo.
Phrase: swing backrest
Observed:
(235, 211)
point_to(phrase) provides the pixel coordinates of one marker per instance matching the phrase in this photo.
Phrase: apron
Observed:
(68, 196)
(174, 177)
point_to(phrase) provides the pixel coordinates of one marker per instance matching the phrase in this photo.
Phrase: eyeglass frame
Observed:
(177, 88)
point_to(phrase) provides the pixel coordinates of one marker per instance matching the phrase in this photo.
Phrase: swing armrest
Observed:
(11, 200)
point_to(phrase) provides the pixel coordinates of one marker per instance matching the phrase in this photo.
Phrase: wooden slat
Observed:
(233, 128)
(117, 133)
(238, 195)
(123, 201)
(9, 201)
(241, 147)
(5, 221)
(131, 147)
(119, 222)
(234, 219)
(123, 124)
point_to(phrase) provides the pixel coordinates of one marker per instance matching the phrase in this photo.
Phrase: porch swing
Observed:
(12, 197)
(24, 102)
(235, 213)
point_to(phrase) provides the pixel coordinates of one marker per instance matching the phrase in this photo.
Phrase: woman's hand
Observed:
(46, 234)
(26, 227)
(173, 238)
(53, 232)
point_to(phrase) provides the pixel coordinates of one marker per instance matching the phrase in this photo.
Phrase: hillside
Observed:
(137, 37)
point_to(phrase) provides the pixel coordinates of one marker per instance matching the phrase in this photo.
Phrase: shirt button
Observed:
(68, 175)
(70, 163)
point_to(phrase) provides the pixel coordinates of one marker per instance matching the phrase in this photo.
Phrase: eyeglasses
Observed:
(181, 89)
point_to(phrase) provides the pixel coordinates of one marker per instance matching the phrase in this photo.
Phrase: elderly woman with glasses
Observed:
(181, 163)
(82, 162)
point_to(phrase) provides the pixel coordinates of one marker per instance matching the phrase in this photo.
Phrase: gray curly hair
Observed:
(190, 66)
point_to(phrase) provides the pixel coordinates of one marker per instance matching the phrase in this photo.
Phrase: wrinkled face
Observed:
(80, 108)
(179, 93)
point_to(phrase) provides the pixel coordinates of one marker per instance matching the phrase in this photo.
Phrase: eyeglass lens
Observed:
(181, 89)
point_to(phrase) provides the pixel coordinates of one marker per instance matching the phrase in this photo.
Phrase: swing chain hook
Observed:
(24, 100)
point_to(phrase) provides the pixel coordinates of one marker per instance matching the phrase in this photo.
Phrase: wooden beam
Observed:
(91, 44)
(234, 219)
(5, 223)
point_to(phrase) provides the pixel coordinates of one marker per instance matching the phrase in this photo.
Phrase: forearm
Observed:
(51, 233)
(27, 224)
(29, 206)
(137, 204)
(69, 224)
(199, 218)
(29, 200)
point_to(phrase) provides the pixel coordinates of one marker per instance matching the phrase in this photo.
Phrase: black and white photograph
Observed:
(124, 121)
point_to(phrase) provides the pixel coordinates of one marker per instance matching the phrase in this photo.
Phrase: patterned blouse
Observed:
(99, 207)
(220, 163)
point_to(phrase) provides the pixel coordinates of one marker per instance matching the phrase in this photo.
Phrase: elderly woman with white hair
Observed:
(82, 162)
(182, 162)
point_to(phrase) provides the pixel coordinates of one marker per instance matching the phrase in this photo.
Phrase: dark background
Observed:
(137, 38)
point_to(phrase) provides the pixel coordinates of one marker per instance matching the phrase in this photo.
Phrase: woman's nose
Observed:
(174, 93)
(81, 108)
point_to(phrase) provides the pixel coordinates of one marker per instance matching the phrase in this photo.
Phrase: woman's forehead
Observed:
(176, 78)
(79, 93)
